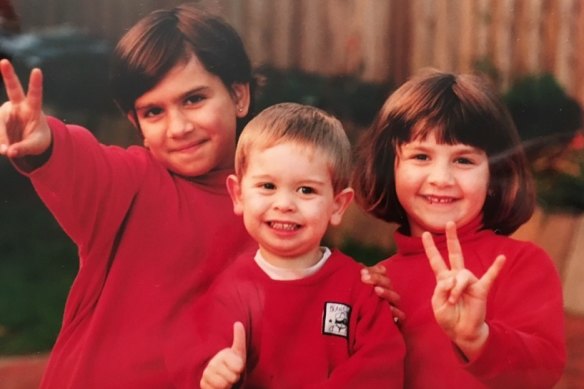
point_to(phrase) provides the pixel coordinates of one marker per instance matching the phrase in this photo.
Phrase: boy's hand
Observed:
(23, 127)
(377, 276)
(460, 298)
(226, 367)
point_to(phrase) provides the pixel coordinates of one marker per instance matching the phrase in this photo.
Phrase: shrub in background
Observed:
(548, 121)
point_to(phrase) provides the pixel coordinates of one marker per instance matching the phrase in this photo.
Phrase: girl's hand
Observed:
(460, 298)
(377, 276)
(23, 127)
(226, 367)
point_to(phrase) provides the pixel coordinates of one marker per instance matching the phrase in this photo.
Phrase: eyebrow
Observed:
(308, 181)
(182, 96)
(459, 148)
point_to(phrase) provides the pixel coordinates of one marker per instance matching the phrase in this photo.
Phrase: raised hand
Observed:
(23, 127)
(226, 367)
(460, 298)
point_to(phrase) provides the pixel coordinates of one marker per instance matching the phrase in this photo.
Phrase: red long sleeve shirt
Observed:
(526, 345)
(150, 243)
(328, 330)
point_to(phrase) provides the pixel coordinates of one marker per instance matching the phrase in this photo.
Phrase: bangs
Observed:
(455, 118)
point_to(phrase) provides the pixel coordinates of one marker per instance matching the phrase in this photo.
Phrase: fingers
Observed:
(454, 250)
(462, 279)
(398, 314)
(375, 275)
(223, 370)
(389, 295)
(492, 273)
(12, 84)
(442, 291)
(436, 262)
(35, 90)
(239, 345)
(218, 379)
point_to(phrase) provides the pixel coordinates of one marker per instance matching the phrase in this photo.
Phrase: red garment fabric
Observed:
(526, 344)
(150, 242)
(299, 333)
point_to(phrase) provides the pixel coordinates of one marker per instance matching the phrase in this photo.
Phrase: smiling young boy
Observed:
(304, 317)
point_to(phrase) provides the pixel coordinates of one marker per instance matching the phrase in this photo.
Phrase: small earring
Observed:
(239, 109)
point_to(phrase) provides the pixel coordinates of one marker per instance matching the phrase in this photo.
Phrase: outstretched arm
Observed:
(23, 127)
(460, 298)
(226, 367)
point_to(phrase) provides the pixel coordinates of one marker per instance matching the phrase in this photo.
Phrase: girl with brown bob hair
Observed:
(444, 161)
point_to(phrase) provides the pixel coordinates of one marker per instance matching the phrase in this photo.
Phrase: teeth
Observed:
(284, 226)
(439, 200)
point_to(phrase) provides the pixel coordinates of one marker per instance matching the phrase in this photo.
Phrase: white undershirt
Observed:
(284, 274)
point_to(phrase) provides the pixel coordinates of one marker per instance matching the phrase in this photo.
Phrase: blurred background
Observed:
(345, 56)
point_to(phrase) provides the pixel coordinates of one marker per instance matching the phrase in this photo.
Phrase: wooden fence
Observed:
(375, 39)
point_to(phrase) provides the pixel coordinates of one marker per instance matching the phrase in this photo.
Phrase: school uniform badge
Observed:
(335, 319)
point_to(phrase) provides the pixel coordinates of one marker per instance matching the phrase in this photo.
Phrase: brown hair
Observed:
(167, 37)
(457, 109)
(302, 124)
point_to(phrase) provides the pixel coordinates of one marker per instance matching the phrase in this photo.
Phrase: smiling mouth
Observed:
(190, 147)
(283, 226)
(439, 200)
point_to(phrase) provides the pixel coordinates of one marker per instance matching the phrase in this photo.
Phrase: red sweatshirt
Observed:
(526, 345)
(328, 330)
(149, 243)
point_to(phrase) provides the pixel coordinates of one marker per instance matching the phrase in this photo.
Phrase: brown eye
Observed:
(306, 190)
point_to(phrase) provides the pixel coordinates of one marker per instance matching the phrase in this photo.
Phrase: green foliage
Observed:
(37, 266)
(544, 114)
(548, 120)
(347, 97)
(560, 180)
(366, 254)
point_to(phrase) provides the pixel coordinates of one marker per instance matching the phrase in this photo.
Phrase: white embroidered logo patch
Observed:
(335, 319)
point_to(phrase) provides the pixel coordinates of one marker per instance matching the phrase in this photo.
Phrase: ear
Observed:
(241, 97)
(234, 189)
(342, 201)
(132, 120)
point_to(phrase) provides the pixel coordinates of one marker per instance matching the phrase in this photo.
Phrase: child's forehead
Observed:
(299, 155)
(298, 145)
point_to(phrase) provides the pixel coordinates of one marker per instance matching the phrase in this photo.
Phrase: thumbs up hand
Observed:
(226, 367)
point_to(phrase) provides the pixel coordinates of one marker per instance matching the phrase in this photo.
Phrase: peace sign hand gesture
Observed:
(23, 127)
(459, 301)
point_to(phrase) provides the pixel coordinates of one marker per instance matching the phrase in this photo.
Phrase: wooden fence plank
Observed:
(378, 40)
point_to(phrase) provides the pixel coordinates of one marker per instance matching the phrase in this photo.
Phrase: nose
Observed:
(441, 174)
(178, 123)
(284, 201)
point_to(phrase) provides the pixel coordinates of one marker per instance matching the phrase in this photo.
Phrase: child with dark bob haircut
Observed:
(444, 161)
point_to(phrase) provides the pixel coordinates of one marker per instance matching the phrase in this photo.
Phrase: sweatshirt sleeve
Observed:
(377, 349)
(88, 187)
(526, 344)
(210, 328)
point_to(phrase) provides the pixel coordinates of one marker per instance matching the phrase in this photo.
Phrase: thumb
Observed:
(35, 143)
(239, 344)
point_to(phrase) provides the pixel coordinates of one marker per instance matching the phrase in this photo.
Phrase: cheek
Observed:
(255, 205)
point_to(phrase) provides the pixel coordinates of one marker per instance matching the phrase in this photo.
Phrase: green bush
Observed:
(548, 120)
(347, 97)
(37, 267)
(546, 117)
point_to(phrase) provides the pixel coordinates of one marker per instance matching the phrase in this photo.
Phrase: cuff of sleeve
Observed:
(492, 354)
(58, 133)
